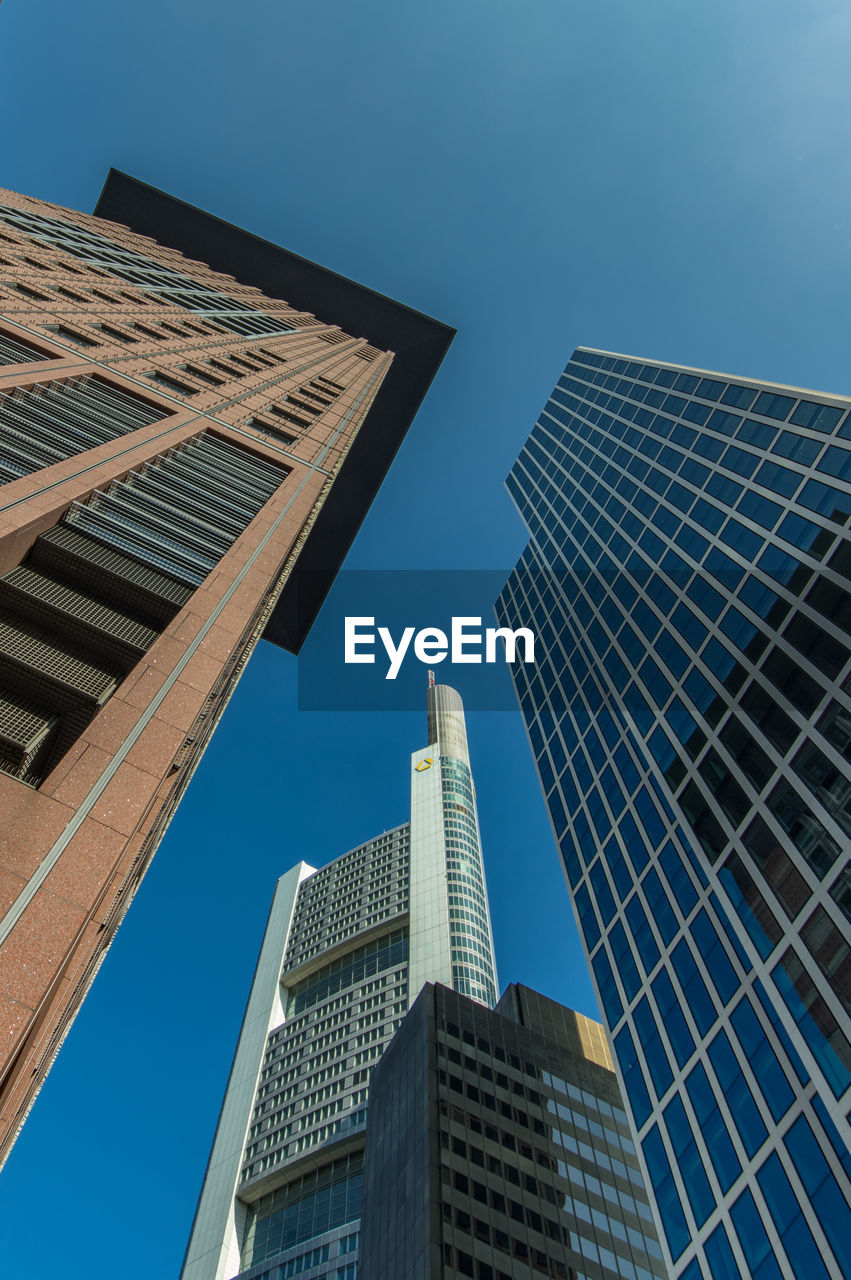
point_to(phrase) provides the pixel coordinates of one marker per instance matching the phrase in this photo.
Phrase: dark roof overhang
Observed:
(419, 343)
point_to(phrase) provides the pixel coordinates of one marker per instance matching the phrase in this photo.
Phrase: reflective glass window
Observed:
(715, 957)
(720, 1257)
(739, 397)
(678, 878)
(665, 1191)
(818, 417)
(739, 460)
(707, 515)
(724, 489)
(719, 1144)
(690, 628)
(782, 876)
(762, 707)
(617, 866)
(673, 1019)
(602, 892)
(772, 405)
(688, 1158)
(703, 821)
(763, 600)
(761, 510)
(762, 1058)
(782, 1035)
(642, 934)
(694, 988)
(821, 1186)
(810, 639)
(636, 1089)
(781, 479)
(628, 771)
(730, 933)
(724, 423)
(708, 389)
(611, 1001)
(570, 858)
(692, 542)
(797, 1239)
(652, 824)
(587, 919)
(816, 1022)
(756, 433)
(696, 412)
(801, 824)
(836, 462)
(624, 960)
(829, 501)
(750, 905)
(753, 1238)
(728, 573)
(660, 907)
(797, 448)
(737, 1094)
(658, 687)
(709, 447)
(739, 629)
(652, 1046)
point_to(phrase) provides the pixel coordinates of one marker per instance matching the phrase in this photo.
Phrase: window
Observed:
(821, 1186)
(71, 335)
(753, 1238)
(673, 1018)
(797, 1239)
(688, 1158)
(694, 988)
(636, 1089)
(762, 1058)
(818, 417)
(737, 1094)
(718, 1141)
(667, 1199)
(652, 1047)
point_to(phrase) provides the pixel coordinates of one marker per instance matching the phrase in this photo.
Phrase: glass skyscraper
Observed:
(347, 949)
(688, 579)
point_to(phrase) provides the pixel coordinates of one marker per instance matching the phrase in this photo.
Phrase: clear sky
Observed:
(663, 179)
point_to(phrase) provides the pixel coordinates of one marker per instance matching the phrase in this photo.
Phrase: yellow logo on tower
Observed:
(423, 765)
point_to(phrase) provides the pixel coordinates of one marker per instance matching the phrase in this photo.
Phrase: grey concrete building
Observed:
(347, 949)
(687, 577)
(499, 1149)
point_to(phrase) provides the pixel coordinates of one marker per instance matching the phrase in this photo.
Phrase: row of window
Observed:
(822, 854)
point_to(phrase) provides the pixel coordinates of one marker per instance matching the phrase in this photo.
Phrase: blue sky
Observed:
(663, 179)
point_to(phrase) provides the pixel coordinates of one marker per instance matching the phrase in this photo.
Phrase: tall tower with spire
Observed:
(347, 950)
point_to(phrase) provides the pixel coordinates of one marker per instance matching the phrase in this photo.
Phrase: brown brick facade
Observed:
(75, 842)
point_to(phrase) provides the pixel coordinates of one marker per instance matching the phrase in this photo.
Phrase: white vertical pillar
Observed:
(213, 1250)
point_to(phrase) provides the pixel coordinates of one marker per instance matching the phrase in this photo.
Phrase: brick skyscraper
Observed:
(184, 460)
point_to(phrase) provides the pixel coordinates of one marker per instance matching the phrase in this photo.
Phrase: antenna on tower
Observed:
(431, 679)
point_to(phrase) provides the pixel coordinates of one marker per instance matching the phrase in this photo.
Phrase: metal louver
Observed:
(182, 512)
(97, 590)
(52, 421)
(14, 351)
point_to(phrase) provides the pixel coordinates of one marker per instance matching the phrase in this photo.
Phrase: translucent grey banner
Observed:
(421, 620)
